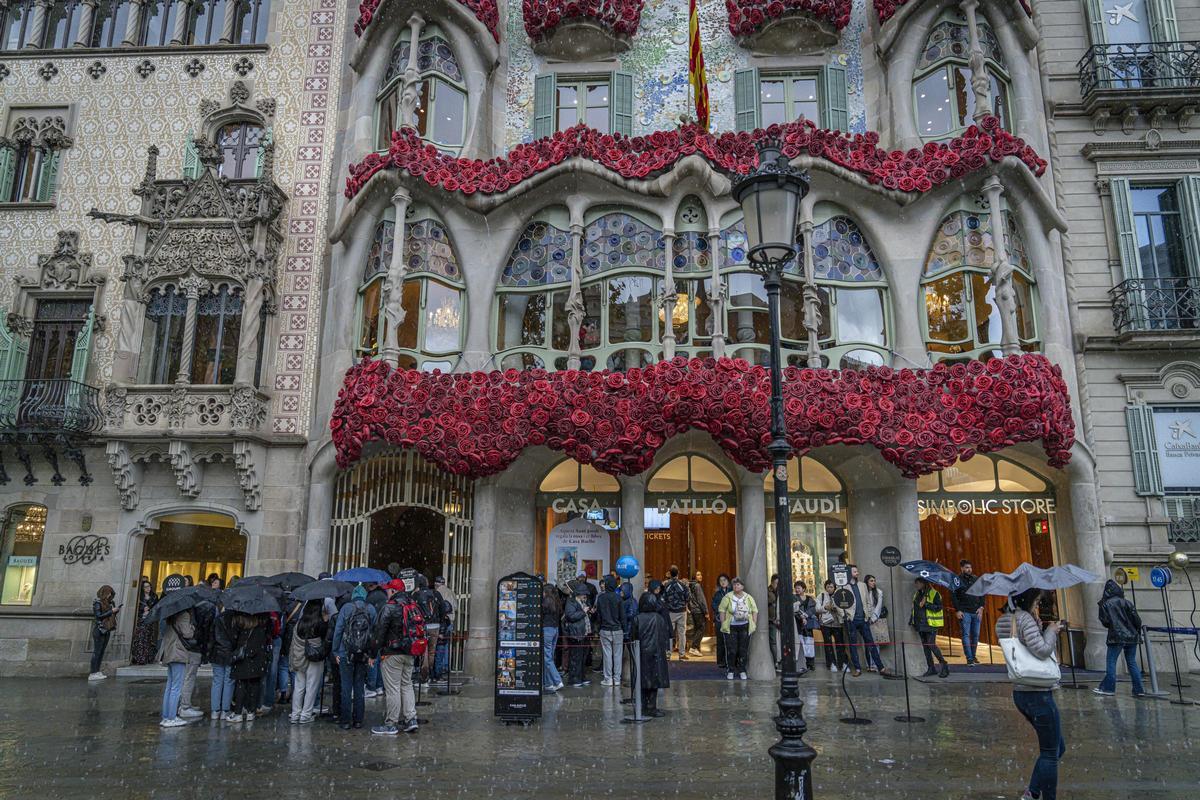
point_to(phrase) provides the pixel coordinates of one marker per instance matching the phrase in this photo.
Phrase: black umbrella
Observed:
(289, 580)
(173, 602)
(318, 590)
(262, 581)
(251, 599)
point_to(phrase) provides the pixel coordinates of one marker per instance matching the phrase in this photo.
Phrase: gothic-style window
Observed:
(206, 18)
(218, 330)
(62, 23)
(943, 99)
(30, 155)
(158, 21)
(162, 335)
(16, 24)
(240, 144)
(110, 21)
(962, 316)
(441, 111)
(250, 24)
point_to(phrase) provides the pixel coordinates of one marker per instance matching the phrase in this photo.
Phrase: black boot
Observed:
(945, 672)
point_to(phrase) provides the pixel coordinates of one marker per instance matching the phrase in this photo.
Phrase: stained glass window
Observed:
(841, 253)
(620, 240)
(433, 55)
(379, 257)
(541, 256)
(691, 253)
(427, 249)
(441, 112)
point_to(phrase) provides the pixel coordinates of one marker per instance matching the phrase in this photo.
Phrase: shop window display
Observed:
(23, 535)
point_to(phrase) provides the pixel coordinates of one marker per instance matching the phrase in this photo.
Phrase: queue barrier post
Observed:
(854, 718)
(1071, 647)
(636, 681)
(1154, 692)
(907, 716)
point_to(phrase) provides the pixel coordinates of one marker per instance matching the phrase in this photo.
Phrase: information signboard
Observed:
(841, 575)
(519, 648)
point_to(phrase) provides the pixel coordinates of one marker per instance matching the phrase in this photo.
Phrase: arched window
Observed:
(689, 474)
(430, 337)
(961, 315)
(218, 331)
(622, 260)
(441, 112)
(162, 335)
(942, 96)
(21, 553)
(240, 144)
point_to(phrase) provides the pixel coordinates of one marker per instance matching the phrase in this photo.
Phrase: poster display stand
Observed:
(518, 690)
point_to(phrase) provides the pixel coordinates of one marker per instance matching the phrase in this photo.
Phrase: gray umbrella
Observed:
(318, 590)
(1027, 576)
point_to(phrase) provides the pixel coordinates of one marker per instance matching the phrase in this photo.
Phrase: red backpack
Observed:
(412, 641)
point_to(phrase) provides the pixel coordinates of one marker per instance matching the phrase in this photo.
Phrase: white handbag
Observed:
(1023, 666)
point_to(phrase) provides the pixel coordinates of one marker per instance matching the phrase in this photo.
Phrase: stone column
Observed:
(87, 13)
(754, 565)
(669, 297)
(981, 82)
(133, 23)
(1089, 550)
(183, 16)
(812, 299)
(633, 524)
(716, 300)
(193, 286)
(393, 286)
(575, 308)
(481, 635)
(37, 25)
(411, 94)
(1002, 269)
(247, 355)
(322, 476)
(227, 24)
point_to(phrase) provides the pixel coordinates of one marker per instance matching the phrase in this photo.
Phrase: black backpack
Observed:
(675, 596)
(357, 636)
(430, 604)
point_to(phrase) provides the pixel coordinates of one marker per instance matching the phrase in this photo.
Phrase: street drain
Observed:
(378, 766)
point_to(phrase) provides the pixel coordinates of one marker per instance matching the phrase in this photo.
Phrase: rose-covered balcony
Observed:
(369, 11)
(581, 30)
(781, 27)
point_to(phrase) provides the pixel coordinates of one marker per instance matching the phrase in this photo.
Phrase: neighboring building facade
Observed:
(211, 389)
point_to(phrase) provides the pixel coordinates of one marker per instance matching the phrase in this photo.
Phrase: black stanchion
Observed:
(1075, 684)
(636, 688)
(1178, 684)
(450, 689)
(907, 716)
(854, 718)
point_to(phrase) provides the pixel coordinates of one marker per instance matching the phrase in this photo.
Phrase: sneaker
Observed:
(369, 693)
(579, 685)
(606, 682)
(248, 716)
(1139, 694)
(97, 676)
(411, 726)
(264, 710)
(729, 676)
(191, 713)
(1102, 692)
(845, 667)
(385, 730)
(172, 723)
(307, 718)
(743, 676)
(856, 673)
(294, 718)
(559, 687)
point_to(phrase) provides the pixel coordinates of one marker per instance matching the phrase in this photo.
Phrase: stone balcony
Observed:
(138, 411)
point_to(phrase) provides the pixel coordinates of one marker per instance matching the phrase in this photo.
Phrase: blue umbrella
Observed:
(933, 572)
(362, 575)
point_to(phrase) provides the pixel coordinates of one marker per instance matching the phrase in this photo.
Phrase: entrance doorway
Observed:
(409, 536)
(996, 514)
(195, 545)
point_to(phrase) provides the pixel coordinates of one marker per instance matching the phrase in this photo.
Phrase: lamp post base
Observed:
(792, 755)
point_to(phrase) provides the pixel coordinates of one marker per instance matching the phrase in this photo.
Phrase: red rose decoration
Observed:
(485, 11)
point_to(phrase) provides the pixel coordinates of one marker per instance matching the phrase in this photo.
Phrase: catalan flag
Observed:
(696, 74)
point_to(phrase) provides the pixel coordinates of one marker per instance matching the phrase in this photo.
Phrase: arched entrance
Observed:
(196, 545)
(569, 491)
(397, 507)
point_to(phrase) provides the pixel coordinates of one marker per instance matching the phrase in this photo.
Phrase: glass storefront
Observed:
(24, 531)
(194, 545)
(573, 491)
(817, 522)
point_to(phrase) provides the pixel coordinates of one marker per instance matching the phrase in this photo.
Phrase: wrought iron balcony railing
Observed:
(1183, 511)
(1143, 66)
(50, 407)
(1156, 304)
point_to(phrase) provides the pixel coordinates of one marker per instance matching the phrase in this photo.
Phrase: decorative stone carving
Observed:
(115, 406)
(1157, 116)
(239, 93)
(1129, 119)
(145, 68)
(19, 325)
(189, 472)
(266, 106)
(243, 66)
(194, 67)
(66, 268)
(248, 409)
(48, 131)
(4, 71)
(47, 71)
(178, 404)
(1186, 115)
(97, 70)
(248, 458)
(127, 474)
(1100, 121)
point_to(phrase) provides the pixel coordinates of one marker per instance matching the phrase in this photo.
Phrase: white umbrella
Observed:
(1027, 576)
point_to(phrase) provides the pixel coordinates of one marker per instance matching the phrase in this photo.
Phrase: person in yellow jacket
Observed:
(928, 619)
(739, 618)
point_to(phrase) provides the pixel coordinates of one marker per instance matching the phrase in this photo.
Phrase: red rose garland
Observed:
(619, 16)
(749, 16)
(886, 9)
(484, 10)
(640, 157)
(477, 423)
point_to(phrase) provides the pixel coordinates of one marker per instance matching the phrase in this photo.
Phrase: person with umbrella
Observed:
(251, 660)
(928, 619)
(176, 628)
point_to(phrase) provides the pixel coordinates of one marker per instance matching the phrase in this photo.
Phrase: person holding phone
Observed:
(104, 615)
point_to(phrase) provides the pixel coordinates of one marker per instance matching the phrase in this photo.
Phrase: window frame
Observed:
(227, 294)
(114, 13)
(159, 373)
(998, 73)
(788, 77)
(391, 91)
(581, 83)
(1187, 226)
(7, 525)
(6, 25)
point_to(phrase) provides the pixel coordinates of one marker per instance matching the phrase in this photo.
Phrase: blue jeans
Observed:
(550, 674)
(221, 694)
(375, 677)
(970, 633)
(1041, 711)
(173, 690)
(860, 628)
(441, 657)
(1109, 684)
(354, 685)
(268, 684)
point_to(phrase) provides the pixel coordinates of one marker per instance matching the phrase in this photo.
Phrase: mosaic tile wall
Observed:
(119, 114)
(658, 61)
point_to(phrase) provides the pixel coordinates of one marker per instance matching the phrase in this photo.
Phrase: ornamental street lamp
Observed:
(770, 198)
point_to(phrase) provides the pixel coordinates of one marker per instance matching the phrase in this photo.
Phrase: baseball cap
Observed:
(395, 585)
(439, 581)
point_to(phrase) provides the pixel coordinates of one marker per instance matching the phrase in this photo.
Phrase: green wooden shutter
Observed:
(1127, 244)
(1095, 18)
(620, 107)
(14, 351)
(745, 99)
(49, 177)
(1147, 479)
(83, 347)
(544, 91)
(1162, 20)
(9, 390)
(835, 105)
(191, 160)
(258, 163)
(8, 158)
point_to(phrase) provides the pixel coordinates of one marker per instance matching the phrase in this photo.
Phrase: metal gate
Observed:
(402, 478)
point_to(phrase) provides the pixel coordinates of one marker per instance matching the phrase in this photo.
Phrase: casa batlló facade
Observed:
(461, 285)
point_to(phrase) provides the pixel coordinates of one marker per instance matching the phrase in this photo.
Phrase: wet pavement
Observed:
(68, 738)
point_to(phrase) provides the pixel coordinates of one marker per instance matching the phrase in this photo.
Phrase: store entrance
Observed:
(196, 545)
(409, 536)
(997, 515)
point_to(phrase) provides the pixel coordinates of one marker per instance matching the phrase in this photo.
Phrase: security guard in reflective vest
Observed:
(928, 618)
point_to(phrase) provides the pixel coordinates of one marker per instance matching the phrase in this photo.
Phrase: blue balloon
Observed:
(627, 567)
